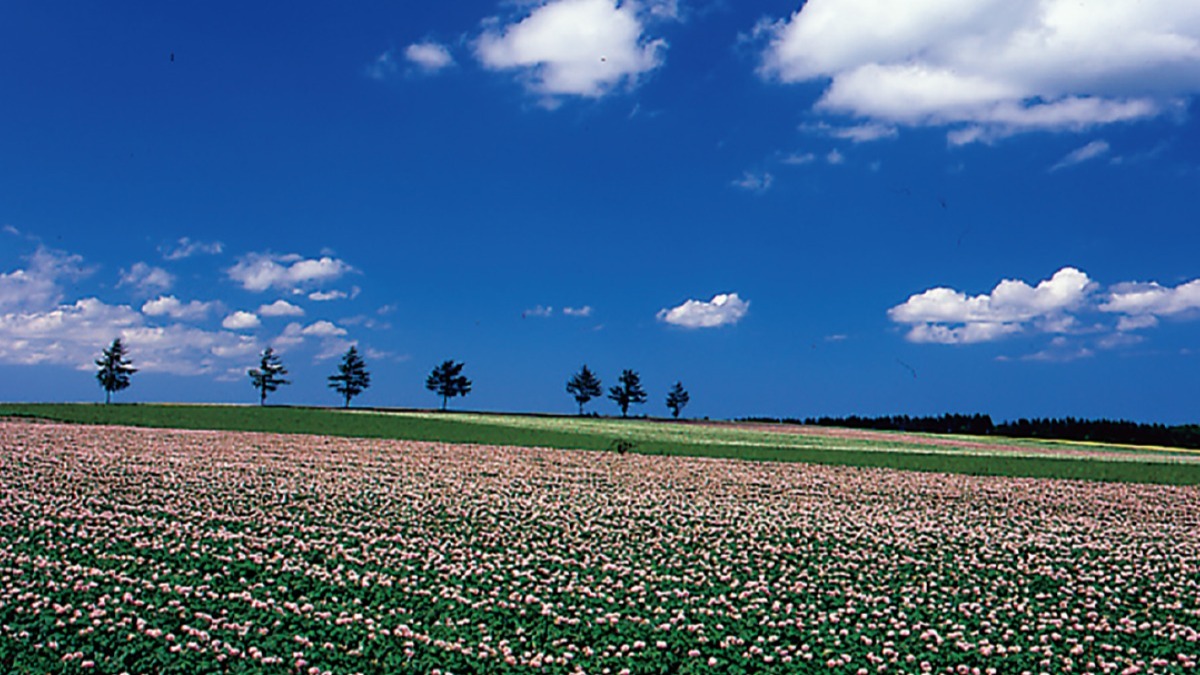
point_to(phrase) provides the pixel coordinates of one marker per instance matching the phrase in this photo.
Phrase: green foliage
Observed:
(352, 377)
(677, 399)
(584, 386)
(628, 391)
(621, 445)
(268, 376)
(114, 369)
(447, 381)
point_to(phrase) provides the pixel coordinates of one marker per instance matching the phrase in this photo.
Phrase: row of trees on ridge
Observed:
(585, 386)
(352, 378)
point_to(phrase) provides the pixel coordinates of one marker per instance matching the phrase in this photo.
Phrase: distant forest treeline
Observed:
(1067, 428)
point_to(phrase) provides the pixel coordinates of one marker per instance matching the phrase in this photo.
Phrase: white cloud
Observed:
(169, 305)
(834, 157)
(261, 271)
(38, 285)
(1150, 299)
(147, 279)
(723, 310)
(326, 296)
(858, 133)
(1079, 155)
(280, 308)
(186, 248)
(754, 182)
(323, 329)
(991, 68)
(574, 47)
(72, 335)
(946, 316)
(538, 312)
(241, 320)
(429, 56)
(584, 311)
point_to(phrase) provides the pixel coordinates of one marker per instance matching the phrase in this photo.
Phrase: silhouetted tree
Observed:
(584, 386)
(114, 369)
(677, 399)
(629, 391)
(268, 376)
(448, 381)
(352, 377)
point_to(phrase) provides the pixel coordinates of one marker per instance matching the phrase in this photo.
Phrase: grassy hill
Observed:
(954, 454)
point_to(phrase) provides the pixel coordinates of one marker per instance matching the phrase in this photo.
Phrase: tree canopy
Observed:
(268, 376)
(114, 369)
(446, 380)
(351, 378)
(584, 386)
(628, 391)
(677, 399)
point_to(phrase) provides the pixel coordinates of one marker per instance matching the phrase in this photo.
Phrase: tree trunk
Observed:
(107, 397)
(444, 399)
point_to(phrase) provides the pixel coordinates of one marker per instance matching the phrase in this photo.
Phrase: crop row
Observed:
(127, 550)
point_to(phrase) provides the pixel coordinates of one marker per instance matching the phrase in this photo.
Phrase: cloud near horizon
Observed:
(993, 68)
(38, 326)
(947, 316)
(725, 309)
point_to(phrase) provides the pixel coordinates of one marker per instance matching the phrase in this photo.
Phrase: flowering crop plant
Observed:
(152, 551)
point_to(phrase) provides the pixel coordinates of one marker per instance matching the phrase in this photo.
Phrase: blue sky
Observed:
(860, 206)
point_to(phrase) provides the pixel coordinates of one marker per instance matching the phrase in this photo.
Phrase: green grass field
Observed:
(1005, 457)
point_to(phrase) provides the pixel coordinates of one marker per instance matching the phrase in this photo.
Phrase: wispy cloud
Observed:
(186, 248)
(1079, 155)
(757, 183)
(147, 279)
(429, 56)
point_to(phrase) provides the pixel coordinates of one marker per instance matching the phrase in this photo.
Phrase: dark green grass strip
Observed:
(451, 430)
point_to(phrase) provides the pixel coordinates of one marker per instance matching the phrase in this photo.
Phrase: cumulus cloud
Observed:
(429, 56)
(947, 316)
(186, 248)
(241, 320)
(582, 48)
(39, 284)
(71, 335)
(991, 68)
(323, 329)
(754, 182)
(1142, 301)
(262, 271)
(584, 311)
(169, 305)
(1079, 155)
(280, 308)
(539, 311)
(147, 279)
(723, 310)
(834, 157)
